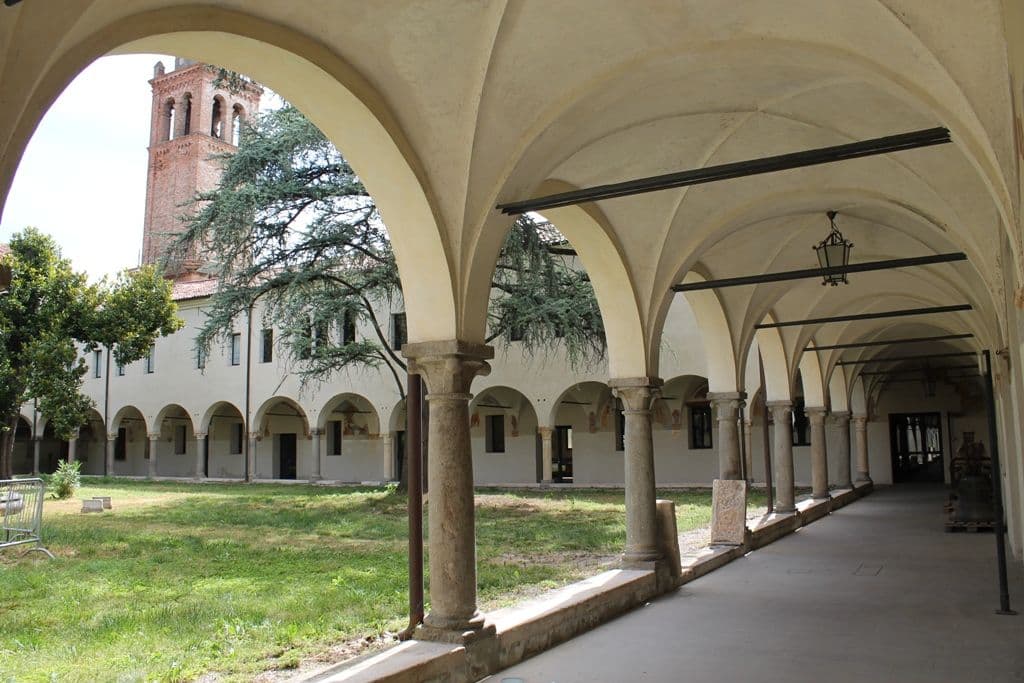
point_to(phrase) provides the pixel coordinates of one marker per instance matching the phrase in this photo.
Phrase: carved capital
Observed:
(545, 432)
(842, 418)
(815, 415)
(449, 367)
(781, 410)
(860, 422)
(636, 393)
(200, 436)
(727, 404)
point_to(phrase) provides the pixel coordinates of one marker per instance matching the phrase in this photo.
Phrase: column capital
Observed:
(316, 431)
(816, 414)
(841, 416)
(153, 437)
(636, 393)
(727, 403)
(545, 432)
(200, 435)
(448, 366)
(781, 410)
(112, 437)
(860, 421)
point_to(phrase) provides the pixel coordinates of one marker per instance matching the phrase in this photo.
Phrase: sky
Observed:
(82, 178)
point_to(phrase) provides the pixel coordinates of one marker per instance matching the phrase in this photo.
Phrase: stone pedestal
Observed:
(111, 444)
(545, 454)
(728, 512)
(860, 424)
(154, 441)
(841, 477)
(315, 473)
(785, 498)
(448, 367)
(637, 394)
(726, 407)
(819, 454)
(37, 444)
(201, 456)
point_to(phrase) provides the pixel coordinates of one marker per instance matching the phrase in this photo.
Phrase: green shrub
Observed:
(66, 480)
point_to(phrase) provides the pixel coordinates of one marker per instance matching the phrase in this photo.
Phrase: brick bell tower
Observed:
(192, 120)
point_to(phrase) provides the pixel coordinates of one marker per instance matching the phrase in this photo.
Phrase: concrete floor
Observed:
(875, 592)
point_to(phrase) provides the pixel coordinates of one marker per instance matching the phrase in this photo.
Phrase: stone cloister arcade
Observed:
(447, 109)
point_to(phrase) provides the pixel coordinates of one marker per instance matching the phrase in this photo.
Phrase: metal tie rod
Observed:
(738, 169)
(894, 359)
(804, 273)
(868, 316)
(888, 342)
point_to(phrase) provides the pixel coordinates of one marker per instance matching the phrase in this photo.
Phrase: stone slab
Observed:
(728, 512)
(92, 505)
(107, 505)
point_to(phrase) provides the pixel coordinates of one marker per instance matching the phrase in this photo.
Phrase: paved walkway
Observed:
(875, 592)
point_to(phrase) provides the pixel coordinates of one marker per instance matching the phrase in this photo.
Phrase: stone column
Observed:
(842, 475)
(448, 367)
(315, 474)
(748, 447)
(726, 406)
(250, 456)
(37, 445)
(637, 394)
(72, 449)
(545, 454)
(860, 424)
(782, 412)
(201, 472)
(154, 439)
(111, 441)
(389, 456)
(819, 454)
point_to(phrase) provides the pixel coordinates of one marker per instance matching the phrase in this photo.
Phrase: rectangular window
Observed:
(494, 436)
(307, 346)
(620, 427)
(335, 448)
(700, 426)
(236, 348)
(321, 334)
(801, 425)
(237, 433)
(121, 444)
(268, 345)
(120, 370)
(515, 332)
(179, 439)
(399, 331)
(151, 360)
(347, 327)
(97, 359)
(200, 359)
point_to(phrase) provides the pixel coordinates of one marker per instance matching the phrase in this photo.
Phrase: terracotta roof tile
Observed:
(196, 289)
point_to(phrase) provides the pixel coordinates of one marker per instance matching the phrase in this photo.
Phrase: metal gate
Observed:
(21, 513)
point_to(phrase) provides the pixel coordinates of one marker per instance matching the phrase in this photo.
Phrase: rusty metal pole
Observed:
(997, 491)
(413, 463)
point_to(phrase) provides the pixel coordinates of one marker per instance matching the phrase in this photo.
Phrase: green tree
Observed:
(50, 313)
(291, 225)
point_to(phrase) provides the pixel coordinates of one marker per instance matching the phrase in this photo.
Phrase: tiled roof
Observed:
(196, 289)
(4, 249)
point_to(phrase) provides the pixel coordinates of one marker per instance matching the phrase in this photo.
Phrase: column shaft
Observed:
(726, 407)
(545, 454)
(842, 475)
(111, 443)
(783, 438)
(861, 436)
(37, 444)
(819, 454)
(637, 394)
(201, 456)
(251, 457)
(449, 368)
(315, 475)
(154, 440)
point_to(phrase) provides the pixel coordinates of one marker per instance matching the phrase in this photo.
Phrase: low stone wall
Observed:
(538, 625)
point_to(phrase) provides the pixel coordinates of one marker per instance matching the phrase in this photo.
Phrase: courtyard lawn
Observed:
(181, 580)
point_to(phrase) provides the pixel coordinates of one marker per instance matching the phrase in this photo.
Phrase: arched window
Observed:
(237, 117)
(167, 121)
(217, 120)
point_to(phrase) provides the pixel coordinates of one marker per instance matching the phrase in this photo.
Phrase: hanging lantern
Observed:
(833, 252)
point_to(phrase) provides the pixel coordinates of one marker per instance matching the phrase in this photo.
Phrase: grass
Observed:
(183, 580)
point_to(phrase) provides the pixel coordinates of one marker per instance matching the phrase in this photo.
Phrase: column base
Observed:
(863, 478)
(313, 480)
(457, 633)
(821, 497)
(639, 559)
(784, 509)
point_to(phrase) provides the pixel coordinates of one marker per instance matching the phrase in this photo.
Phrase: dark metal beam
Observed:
(895, 359)
(805, 273)
(907, 371)
(907, 340)
(738, 169)
(869, 316)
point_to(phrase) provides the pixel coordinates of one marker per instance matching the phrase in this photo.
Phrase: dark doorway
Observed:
(561, 455)
(206, 455)
(286, 456)
(399, 455)
(916, 445)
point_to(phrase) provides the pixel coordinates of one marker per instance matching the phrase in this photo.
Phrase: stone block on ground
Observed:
(105, 500)
(728, 512)
(92, 505)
